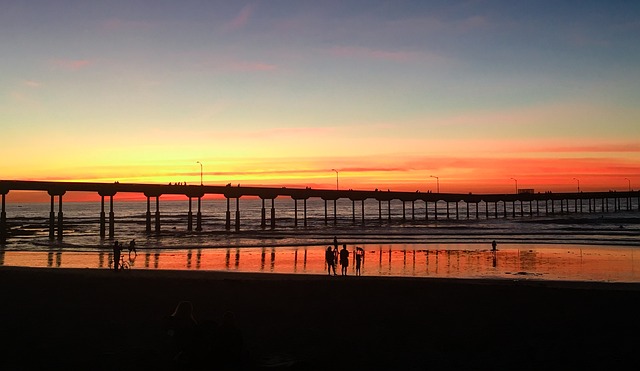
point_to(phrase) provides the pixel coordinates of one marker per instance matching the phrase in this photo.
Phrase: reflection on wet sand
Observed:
(564, 262)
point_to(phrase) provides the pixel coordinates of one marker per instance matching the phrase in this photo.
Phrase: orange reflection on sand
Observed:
(534, 261)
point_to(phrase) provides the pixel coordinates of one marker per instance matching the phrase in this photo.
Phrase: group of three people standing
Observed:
(331, 257)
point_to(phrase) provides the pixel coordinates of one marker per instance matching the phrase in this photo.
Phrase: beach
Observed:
(100, 319)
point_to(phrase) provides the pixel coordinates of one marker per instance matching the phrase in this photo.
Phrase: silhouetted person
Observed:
(116, 255)
(331, 262)
(494, 245)
(344, 259)
(359, 257)
(335, 242)
(132, 247)
(182, 329)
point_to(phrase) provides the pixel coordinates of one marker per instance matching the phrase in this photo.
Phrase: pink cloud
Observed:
(71, 64)
(32, 83)
(241, 19)
(359, 52)
(251, 66)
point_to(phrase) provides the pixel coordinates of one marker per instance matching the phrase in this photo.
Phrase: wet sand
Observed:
(98, 319)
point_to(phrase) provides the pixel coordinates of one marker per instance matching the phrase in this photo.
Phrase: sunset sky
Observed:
(388, 93)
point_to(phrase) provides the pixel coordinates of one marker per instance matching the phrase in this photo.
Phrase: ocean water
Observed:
(567, 246)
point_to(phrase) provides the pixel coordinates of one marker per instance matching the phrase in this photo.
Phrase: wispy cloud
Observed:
(251, 66)
(71, 64)
(241, 19)
(32, 83)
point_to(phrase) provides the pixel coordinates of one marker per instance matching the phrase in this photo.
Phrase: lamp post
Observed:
(337, 188)
(515, 180)
(578, 180)
(198, 162)
(437, 183)
(629, 181)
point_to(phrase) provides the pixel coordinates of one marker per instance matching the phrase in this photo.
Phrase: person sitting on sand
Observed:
(329, 259)
(344, 259)
(182, 329)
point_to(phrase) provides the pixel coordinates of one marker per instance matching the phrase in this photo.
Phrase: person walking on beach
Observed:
(331, 263)
(116, 255)
(359, 257)
(344, 259)
(494, 245)
(132, 247)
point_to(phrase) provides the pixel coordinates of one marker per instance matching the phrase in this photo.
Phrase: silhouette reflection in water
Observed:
(563, 262)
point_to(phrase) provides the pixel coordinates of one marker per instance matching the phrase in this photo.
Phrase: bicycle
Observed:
(122, 264)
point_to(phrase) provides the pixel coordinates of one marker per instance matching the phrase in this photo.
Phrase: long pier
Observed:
(545, 203)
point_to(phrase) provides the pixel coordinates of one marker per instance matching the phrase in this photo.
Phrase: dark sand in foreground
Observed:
(101, 320)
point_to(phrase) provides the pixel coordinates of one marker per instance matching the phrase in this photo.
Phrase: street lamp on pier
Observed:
(437, 183)
(515, 180)
(198, 162)
(337, 188)
(578, 180)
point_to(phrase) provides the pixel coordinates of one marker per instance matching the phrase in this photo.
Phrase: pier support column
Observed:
(112, 219)
(380, 210)
(478, 210)
(103, 221)
(60, 218)
(467, 205)
(263, 216)
(52, 220)
(546, 207)
(413, 210)
(273, 213)
(353, 212)
(404, 217)
(513, 209)
(304, 215)
(457, 213)
(227, 223)
(190, 218)
(486, 209)
(295, 212)
(426, 210)
(603, 205)
(199, 215)
(3, 221)
(530, 208)
(148, 215)
(504, 209)
(435, 210)
(237, 214)
(362, 201)
(326, 215)
(389, 209)
(157, 214)
(537, 207)
(521, 209)
(495, 209)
